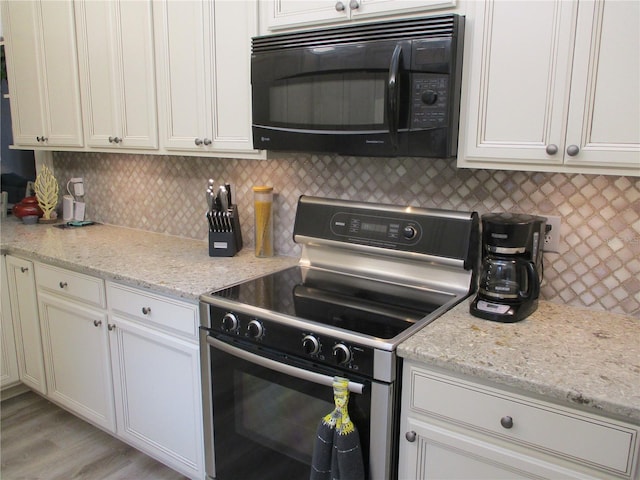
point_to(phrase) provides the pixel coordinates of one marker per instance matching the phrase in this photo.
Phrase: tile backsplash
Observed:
(599, 261)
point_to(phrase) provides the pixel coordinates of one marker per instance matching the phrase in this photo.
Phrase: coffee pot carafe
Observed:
(511, 269)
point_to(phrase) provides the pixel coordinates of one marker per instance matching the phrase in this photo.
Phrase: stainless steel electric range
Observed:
(369, 277)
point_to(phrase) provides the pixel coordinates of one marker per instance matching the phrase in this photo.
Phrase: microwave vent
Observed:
(425, 27)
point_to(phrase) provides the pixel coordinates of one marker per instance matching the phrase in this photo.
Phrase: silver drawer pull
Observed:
(146, 310)
(111, 326)
(506, 421)
(97, 323)
(410, 436)
(63, 284)
(24, 269)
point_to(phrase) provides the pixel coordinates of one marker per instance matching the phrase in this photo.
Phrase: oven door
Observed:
(262, 410)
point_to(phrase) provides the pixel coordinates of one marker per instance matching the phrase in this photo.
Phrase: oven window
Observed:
(329, 101)
(280, 418)
(265, 421)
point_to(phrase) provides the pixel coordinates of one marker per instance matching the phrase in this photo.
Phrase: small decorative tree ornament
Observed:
(46, 187)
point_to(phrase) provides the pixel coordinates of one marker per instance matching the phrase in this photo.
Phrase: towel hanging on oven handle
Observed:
(336, 452)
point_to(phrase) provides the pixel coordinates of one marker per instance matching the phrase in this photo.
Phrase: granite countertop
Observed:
(175, 266)
(584, 357)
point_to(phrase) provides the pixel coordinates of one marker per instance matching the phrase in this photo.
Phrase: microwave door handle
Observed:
(300, 373)
(393, 96)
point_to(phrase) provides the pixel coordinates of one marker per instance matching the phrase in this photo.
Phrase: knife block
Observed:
(226, 244)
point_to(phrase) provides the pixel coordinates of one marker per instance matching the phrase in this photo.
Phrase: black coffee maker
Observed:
(511, 270)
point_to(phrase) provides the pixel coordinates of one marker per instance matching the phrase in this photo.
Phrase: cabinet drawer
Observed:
(153, 309)
(564, 432)
(73, 285)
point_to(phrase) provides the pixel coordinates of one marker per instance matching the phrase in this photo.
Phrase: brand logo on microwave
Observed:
(374, 141)
(265, 139)
(499, 235)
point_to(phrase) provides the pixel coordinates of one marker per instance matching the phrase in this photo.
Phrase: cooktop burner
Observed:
(357, 304)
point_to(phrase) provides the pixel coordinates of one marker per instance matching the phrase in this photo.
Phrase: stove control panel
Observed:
(286, 338)
(376, 228)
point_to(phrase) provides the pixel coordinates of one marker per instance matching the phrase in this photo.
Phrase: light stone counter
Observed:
(165, 264)
(574, 355)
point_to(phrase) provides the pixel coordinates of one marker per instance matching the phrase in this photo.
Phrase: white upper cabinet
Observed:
(42, 69)
(279, 14)
(552, 86)
(117, 71)
(203, 54)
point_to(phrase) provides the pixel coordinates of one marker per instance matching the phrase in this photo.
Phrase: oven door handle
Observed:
(300, 373)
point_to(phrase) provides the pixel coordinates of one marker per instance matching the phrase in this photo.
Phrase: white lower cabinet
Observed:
(73, 321)
(456, 428)
(123, 359)
(9, 374)
(26, 324)
(76, 353)
(156, 372)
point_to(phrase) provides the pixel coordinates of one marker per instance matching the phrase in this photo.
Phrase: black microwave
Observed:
(375, 89)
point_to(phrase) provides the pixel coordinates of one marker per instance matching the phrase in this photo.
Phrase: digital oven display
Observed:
(373, 227)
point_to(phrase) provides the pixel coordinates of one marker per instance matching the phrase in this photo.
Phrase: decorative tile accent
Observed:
(599, 261)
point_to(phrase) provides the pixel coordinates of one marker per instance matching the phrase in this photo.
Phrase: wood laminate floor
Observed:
(40, 441)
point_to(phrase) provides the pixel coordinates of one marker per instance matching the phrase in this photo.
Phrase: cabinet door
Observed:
(204, 74)
(232, 67)
(8, 357)
(43, 73)
(604, 106)
(373, 8)
(158, 399)
(115, 44)
(287, 13)
(517, 81)
(183, 70)
(281, 14)
(431, 452)
(26, 323)
(76, 352)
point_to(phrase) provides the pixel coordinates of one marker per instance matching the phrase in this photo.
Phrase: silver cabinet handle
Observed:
(111, 326)
(340, 7)
(115, 140)
(41, 139)
(207, 141)
(97, 323)
(63, 284)
(410, 436)
(146, 310)
(552, 149)
(198, 141)
(573, 150)
(24, 269)
(506, 421)
(354, 4)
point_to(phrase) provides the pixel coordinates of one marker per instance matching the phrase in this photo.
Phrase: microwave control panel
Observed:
(429, 100)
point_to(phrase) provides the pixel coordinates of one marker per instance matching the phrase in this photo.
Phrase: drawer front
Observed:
(153, 309)
(73, 285)
(569, 434)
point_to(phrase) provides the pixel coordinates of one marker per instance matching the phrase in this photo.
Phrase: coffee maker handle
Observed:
(533, 283)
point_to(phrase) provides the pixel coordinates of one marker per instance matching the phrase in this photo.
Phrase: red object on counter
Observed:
(27, 206)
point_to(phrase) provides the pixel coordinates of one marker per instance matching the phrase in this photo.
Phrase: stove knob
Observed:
(409, 232)
(255, 329)
(230, 323)
(310, 345)
(341, 354)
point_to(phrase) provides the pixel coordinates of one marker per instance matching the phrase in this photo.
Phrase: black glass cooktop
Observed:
(356, 304)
